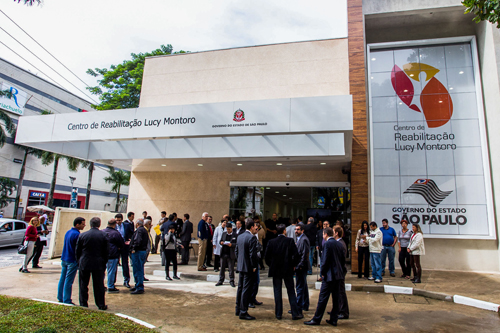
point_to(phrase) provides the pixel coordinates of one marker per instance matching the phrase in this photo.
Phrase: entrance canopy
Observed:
(303, 128)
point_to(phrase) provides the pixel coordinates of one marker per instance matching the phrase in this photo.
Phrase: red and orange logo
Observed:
(435, 100)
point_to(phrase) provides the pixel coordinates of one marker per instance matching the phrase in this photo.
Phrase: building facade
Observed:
(31, 96)
(395, 120)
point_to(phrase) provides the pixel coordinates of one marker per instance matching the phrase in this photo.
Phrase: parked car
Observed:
(11, 232)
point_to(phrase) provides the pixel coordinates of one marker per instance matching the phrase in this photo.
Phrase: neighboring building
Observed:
(394, 120)
(32, 96)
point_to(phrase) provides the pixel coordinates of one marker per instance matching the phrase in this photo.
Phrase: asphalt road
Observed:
(9, 256)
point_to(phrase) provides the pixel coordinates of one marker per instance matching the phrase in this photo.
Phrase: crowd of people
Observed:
(377, 245)
(240, 245)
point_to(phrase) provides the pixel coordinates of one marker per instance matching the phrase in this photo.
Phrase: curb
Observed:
(135, 320)
(388, 289)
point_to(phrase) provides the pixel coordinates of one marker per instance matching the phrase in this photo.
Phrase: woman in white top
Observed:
(363, 250)
(416, 249)
(404, 236)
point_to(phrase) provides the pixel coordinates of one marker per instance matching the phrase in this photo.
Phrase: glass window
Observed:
(20, 226)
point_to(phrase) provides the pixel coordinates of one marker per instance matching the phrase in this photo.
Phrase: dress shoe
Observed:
(20, 269)
(333, 323)
(168, 278)
(216, 270)
(202, 269)
(232, 284)
(320, 279)
(175, 277)
(256, 302)
(278, 317)
(208, 265)
(236, 312)
(251, 306)
(383, 273)
(37, 266)
(137, 292)
(342, 316)
(146, 279)
(133, 289)
(246, 316)
(218, 284)
(25, 271)
(311, 322)
(126, 285)
(183, 263)
(114, 290)
(103, 308)
(300, 316)
(393, 275)
(417, 280)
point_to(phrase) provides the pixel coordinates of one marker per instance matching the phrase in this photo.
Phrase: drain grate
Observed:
(399, 298)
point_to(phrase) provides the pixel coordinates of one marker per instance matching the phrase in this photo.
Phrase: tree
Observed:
(30, 2)
(27, 151)
(118, 178)
(7, 187)
(484, 10)
(120, 85)
(72, 162)
(8, 128)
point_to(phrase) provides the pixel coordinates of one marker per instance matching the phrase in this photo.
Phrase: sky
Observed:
(97, 33)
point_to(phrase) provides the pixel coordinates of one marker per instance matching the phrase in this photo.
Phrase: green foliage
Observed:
(8, 128)
(118, 178)
(7, 187)
(30, 2)
(23, 315)
(120, 85)
(484, 10)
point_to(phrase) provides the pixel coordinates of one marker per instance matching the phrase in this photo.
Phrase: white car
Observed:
(11, 232)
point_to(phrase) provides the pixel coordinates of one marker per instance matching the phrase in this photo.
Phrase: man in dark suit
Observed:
(246, 252)
(210, 250)
(227, 255)
(128, 231)
(185, 237)
(179, 222)
(138, 254)
(343, 304)
(240, 228)
(332, 271)
(302, 267)
(282, 257)
(92, 257)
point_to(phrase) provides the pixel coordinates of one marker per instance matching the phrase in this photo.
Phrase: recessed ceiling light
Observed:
(239, 164)
(284, 195)
(290, 198)
(279, 163)
(440, 101)
(322, 163)
(412, 75)
(373, 59)
(268, 188)
(163, 165)
(406, 90)
(451, 88)
(277, 192)
(461, 72)
(200, 164)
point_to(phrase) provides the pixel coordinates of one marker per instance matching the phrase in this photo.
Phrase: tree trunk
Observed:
(89, 185)
(117, 199)
(20, 185)
(53, 183)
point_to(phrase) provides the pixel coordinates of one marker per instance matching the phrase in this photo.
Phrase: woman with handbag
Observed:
(30, 238)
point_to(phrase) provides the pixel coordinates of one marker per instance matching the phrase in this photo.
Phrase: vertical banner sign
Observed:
(428, 144)
(16, 103)
(74, 198)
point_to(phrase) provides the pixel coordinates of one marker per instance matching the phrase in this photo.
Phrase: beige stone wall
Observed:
(197, 192)
(303, 69)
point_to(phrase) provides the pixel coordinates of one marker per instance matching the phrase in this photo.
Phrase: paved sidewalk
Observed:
(194, 305)
(482, 286)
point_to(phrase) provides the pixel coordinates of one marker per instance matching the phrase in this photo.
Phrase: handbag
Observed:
(23, 248)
